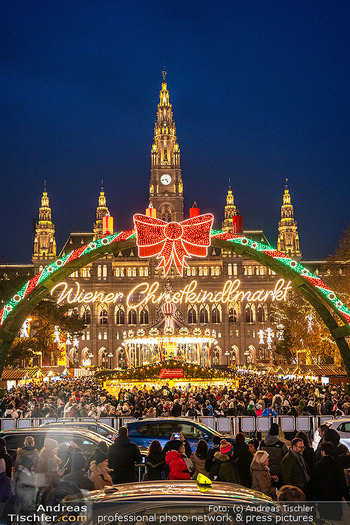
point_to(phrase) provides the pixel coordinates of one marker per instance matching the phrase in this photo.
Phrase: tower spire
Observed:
(101, 211)
(230, 210)
(44, 239)
(288, 237)
(166, 189)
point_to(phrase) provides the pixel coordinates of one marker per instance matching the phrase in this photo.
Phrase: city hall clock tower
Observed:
(166, 189)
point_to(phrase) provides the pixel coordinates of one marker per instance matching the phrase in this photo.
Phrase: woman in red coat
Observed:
(175, 462)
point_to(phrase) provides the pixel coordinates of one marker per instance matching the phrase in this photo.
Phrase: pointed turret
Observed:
(44, 239)
(166, 189)
(230, 211)
(101, 211)
(288, 237)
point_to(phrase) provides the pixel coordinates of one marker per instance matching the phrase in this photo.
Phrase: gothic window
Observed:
(192, 316)
(134, 274)
(103, 314)
(119, 315)
(212, 270)
(200, 271)
(229, 269)
(260, 314)
(104, 271)
(144, 316)
(203, 315)
(86, 314)
(249, 314)
(188, 271)
(166, 212)
(99, 271)
(132, 317)
(215, 315)
(235, 269)
(128, 272)
(232, 315)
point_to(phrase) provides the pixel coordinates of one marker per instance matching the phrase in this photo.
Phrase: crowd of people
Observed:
(266, 464)
(248, 395)
(269, 466)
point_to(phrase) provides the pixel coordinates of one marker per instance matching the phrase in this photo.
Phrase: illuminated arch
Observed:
(317, 293)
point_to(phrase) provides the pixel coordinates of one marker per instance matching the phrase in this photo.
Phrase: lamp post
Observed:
(246, 353)
(110, 357)
(227, 354)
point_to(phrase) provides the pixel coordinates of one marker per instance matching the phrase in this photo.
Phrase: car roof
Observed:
(80, 424)
(169, 488)
(30, 430)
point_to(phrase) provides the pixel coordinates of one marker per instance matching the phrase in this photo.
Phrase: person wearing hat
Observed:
(174, 460)
(276, 450)
(222, 468)
(100, 473)
(49, 462)
(77, 475)
(262, 480)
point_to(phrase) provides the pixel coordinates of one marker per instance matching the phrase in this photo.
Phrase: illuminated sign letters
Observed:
(149, 293)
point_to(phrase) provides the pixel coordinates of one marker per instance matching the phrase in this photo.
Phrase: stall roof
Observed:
(17, 374)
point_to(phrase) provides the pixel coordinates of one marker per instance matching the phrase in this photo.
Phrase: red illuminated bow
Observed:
(173, 241)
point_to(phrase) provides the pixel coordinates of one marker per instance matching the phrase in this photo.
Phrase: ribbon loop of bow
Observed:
(173, 241)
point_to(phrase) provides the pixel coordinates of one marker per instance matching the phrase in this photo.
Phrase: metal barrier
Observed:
(232, 425)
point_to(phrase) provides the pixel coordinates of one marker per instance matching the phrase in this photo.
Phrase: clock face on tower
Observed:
(165, 179)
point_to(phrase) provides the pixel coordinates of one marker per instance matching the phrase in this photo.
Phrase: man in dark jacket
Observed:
(276, 450)
(294, 469)
(122, 456)
(77, 475)
(329, 483)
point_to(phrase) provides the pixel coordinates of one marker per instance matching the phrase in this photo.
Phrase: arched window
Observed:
(85, 272)
(86, 314)
(232, 315)
(104, 271)
(146, 272)
(217, 270)
(141, 272)
(203, 315)
(192, 316)
(188, 271)
(128, 272)
(200, 272)
(144, 316)
(132, 317)
(215, 315)
(229, 269)
(205, 271)
(103, 358)
(193, 271)
(134, 274)
(103, 314)
(248, 314)
(235, 270)
(260, 314)
(119, 315)
(99, 271)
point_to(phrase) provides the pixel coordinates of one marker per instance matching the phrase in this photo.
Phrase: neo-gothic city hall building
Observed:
(121, 296)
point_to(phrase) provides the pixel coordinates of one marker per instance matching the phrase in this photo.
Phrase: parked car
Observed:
(92, 426)
(144, 431)
(341, 425)
(84, 439)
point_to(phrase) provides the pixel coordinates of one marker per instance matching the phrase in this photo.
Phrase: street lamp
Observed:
(227, 354)
(246, 353)
(110, 357)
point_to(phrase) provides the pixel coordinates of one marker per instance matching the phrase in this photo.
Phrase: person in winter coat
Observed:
(276, 450)
(5, 483)
(309, 453)
(212, 452)
(49, 462)
(77, 475)
(199, 458)
(174, 460)
(28, 450)
(122, 456)
(329, 483)
(260, 473)
(223, 469)
(4, 455)
(242, 458)
(294, 468)
(154, 461)
(100, 473)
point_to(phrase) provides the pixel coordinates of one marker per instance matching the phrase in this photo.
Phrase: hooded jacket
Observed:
(122, 456)
(177, 466)
(223, 469)
(261, 479)
(276, 450)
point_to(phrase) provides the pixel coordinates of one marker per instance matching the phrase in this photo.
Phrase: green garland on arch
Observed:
(151, 372)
